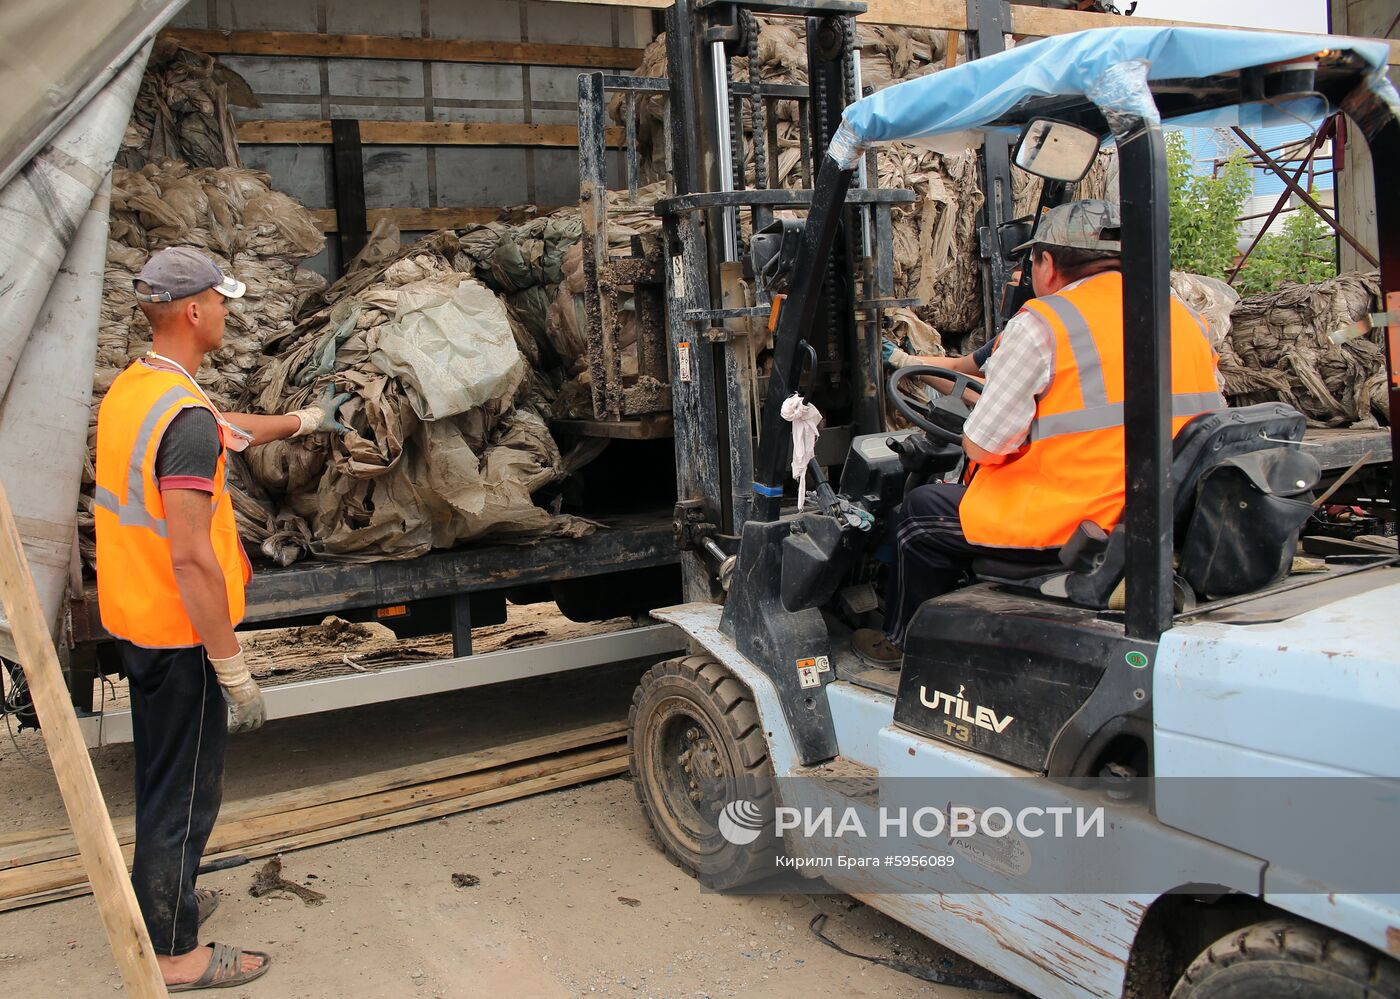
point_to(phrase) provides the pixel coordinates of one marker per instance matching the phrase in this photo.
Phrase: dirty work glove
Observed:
(246, 710)
(894, 357)
(323, 415)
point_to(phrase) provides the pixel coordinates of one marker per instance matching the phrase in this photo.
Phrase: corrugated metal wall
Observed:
(401, 176)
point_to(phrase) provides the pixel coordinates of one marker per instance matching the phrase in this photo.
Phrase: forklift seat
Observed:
(1258, 445)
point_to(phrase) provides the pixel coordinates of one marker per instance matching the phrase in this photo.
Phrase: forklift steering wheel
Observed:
(943, 414)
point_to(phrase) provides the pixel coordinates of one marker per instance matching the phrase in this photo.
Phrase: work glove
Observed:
(323, 416)
(246, 710)
(893, 356)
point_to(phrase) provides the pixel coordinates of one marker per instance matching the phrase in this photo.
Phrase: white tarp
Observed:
(55, 55)
(70, 72)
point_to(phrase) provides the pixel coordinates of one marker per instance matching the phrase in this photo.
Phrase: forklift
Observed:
(1222, 759)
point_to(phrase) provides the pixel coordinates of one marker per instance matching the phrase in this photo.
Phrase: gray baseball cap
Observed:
(179, 272)
(1079, 225)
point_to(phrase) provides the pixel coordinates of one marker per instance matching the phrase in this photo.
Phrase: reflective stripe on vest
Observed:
(133, 512)
(1071, 469)
(137, 591)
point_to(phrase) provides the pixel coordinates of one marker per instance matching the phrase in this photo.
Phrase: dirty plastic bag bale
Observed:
(442, 494)
(1279, 350)
(451, 347)
(398, 484)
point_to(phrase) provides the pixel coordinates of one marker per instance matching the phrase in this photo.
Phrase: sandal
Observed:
(225, 970)
(206, 900)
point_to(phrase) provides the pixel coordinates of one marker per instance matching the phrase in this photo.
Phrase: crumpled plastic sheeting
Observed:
(1278, 349)
(536, 264)
(182, 111)
(257, 234)
(399, 483)
(1212, 299)
(444, 373)
(806, 420)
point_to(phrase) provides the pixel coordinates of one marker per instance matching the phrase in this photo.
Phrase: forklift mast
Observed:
(718, 299)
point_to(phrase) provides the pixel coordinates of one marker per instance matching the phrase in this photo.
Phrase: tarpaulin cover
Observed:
(1091, 63)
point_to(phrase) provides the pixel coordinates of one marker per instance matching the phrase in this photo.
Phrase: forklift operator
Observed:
(1047, 433)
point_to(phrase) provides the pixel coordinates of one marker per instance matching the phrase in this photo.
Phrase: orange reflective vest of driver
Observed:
(136, 588)
(1071, 468)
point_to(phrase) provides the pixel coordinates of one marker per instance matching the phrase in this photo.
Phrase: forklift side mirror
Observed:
(1056, 150)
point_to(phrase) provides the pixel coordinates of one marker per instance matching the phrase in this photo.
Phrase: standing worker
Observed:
(170, 578)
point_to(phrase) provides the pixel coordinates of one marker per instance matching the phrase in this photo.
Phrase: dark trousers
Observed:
(179, 729)
(933, 557)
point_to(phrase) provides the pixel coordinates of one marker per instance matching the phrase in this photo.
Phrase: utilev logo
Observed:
(741, 822)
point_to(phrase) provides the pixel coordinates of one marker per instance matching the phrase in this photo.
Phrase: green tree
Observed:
(1204, 210)
(1304, 251)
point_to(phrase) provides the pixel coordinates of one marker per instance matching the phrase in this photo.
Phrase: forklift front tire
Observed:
(1286, 957)
(701, 771)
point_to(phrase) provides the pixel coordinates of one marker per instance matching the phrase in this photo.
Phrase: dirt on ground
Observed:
(563, 894)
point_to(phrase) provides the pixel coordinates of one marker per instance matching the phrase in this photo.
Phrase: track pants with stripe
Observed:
(179, 730)
(933, 556)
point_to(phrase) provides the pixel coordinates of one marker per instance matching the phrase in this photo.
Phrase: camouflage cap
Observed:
(1079, 225)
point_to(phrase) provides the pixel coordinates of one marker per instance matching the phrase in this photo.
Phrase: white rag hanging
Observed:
(804, 418)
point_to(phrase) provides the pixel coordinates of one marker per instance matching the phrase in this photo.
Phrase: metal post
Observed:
(348, 173)
(1291, 184)
(1378, 123)
(719, 67)
(461, 624)
(1146, 380)
(794, 322)
(694, 397)
(987, 21)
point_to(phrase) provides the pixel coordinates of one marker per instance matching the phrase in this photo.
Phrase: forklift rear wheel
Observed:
(1285, 957)
(698, 746)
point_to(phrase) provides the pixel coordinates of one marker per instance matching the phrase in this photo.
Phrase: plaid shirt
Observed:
(1017, 373)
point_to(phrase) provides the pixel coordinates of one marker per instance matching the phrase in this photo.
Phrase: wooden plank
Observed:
(1338, 448)
(952, 14)
(641, 428)
(82, 797)
(417, 133)
(422, 813)
(53, 844)
(239, 836)
(610, 766)
(329, 46)
(408, 219)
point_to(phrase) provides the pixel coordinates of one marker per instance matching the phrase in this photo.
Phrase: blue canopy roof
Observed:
(1110, 66)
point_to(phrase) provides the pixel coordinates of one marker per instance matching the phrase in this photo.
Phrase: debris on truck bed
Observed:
(1282, 347)
(448, 438)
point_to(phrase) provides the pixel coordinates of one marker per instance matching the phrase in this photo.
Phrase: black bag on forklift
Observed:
(1248, 513)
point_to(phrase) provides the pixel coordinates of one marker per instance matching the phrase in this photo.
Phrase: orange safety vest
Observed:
(136, 588)
(1071, 469)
